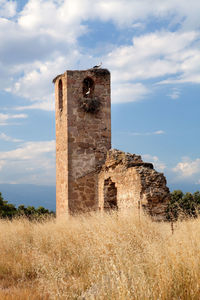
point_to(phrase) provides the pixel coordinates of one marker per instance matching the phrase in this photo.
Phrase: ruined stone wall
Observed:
(136, 182)
(83, 136)
(90, 176)
(155, 194)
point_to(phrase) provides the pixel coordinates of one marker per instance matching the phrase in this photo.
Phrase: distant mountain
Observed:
(35, 195)
(29, 194)
(184, 187)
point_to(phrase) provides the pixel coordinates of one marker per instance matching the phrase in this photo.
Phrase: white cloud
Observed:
(36, 84)
(2, 163)
(157, 132)
(187, 167)
(138, 25)
(159, 165)
(175, 93)
(128, 92)
(29, 150)
(7, 138)
(7, 8)
(150, 56)
(32, 162)
(58, 19)
(48, 105)
(127, 12)
(6, 117)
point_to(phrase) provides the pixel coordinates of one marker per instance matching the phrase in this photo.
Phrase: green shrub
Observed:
(183, 205)
(9, 211)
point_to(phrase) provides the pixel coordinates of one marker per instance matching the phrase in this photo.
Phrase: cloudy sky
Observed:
(152, 49)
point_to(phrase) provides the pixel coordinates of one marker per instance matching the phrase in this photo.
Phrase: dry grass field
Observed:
(101, 256)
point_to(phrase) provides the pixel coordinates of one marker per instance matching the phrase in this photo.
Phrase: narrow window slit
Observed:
(60, 95)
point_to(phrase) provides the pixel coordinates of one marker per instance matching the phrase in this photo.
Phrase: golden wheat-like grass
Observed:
(100, 256)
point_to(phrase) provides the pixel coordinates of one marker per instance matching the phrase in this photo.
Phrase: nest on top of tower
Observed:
(90, 105)
(100, 71)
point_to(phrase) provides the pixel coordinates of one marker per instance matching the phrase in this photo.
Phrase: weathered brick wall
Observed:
(83, 136)
(136, 182)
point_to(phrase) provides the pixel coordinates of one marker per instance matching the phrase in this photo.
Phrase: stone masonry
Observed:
(126, 181)
(83, 137)
(89, 175)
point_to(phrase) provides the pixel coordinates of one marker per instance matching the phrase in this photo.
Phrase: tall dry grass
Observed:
(101, 256)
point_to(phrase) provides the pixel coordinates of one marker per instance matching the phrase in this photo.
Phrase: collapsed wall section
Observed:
(134, 183)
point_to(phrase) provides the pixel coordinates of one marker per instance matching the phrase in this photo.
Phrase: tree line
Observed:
(180, 206)
(183, 205)
(9, 211)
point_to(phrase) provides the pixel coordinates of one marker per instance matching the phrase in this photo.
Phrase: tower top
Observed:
(92, 71)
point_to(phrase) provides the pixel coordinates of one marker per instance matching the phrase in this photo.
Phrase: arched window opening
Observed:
(60, 95)
(88, 87)
(110, 195)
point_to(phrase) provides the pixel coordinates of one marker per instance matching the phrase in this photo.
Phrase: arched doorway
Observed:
(110, 195)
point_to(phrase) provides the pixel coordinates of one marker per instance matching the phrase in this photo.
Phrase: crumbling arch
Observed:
(60, 95)
(110, 195)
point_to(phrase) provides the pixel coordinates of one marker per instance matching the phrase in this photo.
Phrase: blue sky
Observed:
(152, 49)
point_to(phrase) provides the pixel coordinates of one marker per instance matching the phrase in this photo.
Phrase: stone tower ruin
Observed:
(89, 174)
(83, 137)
